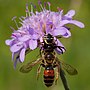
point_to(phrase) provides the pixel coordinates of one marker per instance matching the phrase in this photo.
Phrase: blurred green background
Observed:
(77, 54)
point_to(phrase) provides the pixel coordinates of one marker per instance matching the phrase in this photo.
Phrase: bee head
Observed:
(48, 38)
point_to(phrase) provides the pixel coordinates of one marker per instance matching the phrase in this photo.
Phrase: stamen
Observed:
(59, 9)
(45, 5)
(21, 22)
(40, 3)
(49, 4)
(27, 11)
(34, 6)
(12, 28)
(31, 7)
(14, 19)
(21, 19)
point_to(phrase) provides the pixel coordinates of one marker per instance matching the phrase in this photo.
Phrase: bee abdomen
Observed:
(48, 77)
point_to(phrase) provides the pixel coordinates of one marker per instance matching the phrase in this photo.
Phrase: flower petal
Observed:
(35, 36)
(41, 39)
(30, 30)
(16, 47)
(24, 38)
(15, 63)
(15, 58)
(67, 34)
(77, 23)
(22, 54)
(32, 44)
(59, 31)
(70, 13)
(15, 55)
(63, 22)
(59, 43)
(8, 42)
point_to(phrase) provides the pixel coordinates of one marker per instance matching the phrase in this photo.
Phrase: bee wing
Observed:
(63, 78)
(28, 67)
(71, 70)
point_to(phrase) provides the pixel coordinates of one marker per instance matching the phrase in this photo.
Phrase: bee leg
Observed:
(40, 51)
(60, 47)
(57, 76)
(38, 71)
(55, 65)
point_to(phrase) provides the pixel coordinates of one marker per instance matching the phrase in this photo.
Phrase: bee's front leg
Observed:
(38, 71)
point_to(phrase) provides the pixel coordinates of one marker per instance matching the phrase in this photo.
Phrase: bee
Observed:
(49, 61)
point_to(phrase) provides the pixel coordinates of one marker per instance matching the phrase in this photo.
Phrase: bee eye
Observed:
(49, 40)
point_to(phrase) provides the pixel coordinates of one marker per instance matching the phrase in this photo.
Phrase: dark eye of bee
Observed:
(49, 40)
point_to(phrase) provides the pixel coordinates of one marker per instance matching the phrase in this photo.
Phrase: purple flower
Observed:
(20, 42)
(35, 25)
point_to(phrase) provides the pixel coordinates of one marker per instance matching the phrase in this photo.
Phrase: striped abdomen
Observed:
(48, 76)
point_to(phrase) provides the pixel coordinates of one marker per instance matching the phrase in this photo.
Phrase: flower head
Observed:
(35, 25)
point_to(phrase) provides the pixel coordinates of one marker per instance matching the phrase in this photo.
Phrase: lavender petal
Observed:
(67, 34)
(8, 42)
(15, 62)
(22, 54)
(15, 55)
(63, 22)
(59, 31)
(35, 36)
(70, 14)
(15, 58)
(32, 44)
(77, 23)
(24, 38)
(16, 47)
(59, 43)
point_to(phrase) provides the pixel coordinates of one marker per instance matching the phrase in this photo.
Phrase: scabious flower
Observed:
(35, 25)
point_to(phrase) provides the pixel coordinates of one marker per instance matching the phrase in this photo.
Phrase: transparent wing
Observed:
(64, 80)
(28, 67)
(71, 70)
